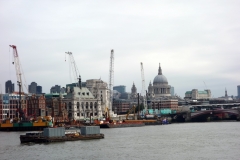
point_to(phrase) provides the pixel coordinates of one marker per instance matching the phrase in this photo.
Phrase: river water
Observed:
(183, 141)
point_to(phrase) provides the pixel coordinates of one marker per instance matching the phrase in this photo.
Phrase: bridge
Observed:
(224, 105)
(220, 113)
(209, 111)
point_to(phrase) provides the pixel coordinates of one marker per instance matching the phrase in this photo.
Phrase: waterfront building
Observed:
(165, 103)
(36, 105)
(56, 107)
(81, 103)
(160, 87)
(9, 103)
(100, 90)
(195, 94)
(121, 106)
(9, 87)
(161, 94)
(120, 88)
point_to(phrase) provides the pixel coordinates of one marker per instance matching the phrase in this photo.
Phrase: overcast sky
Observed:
(195, 42)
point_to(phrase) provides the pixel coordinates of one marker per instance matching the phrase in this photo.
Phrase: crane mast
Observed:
(19, 74)
(111, 79)
(73, 68)
(143, 87)
(17, 64)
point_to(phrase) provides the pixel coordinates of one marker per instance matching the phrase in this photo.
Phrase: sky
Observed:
(196, 42)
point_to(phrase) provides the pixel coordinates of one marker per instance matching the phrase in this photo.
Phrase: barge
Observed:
(60, 134)
(38, 125)
(121, 124)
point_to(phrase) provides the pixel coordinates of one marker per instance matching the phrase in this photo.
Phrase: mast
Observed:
(111, 79)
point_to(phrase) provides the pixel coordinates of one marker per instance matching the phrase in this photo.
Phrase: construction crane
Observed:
(19, 73)
(18, 67)
(205, 85)
(143, 87)
(111, 79)
(73, 69)
(130, 111)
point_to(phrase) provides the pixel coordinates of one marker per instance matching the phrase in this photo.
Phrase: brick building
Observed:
(36, 105)
(9, 103)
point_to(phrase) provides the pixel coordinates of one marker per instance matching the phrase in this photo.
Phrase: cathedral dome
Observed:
(160, 79)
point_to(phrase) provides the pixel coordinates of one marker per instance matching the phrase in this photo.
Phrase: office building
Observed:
(39, 89)
(120, 89)
(55, 89)
(9, 87)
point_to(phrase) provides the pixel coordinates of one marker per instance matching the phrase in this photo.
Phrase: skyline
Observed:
(195, 42)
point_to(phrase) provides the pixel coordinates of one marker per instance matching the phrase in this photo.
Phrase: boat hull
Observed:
(121, 125)
(41, 139)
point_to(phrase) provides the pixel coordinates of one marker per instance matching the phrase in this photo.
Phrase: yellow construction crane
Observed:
(130, 110)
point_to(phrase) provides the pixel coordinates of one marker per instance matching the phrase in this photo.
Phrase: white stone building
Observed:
(160, 87)
(196, 94)
(81, 103)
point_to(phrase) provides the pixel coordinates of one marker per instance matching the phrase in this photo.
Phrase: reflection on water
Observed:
(216, 140)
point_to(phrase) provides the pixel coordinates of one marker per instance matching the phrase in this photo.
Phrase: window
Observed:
(78, 114)
(82, 105)
(91, 105)
(86, 105)
(78, 105)
(95, 105)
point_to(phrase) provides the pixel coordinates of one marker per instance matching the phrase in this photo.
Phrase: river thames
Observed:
(182, 141)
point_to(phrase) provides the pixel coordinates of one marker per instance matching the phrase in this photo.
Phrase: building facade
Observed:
(195, 94)
(9, 87)
(165, 104)
(99, 90)
(10, 103)
(122, 106)
(55, 89)
(56, 107)
(160, 87)
(120, 89)
(34, 88)
(39, 90)
(36, 105)
(161, 94)
(134, 94)
(82, 104)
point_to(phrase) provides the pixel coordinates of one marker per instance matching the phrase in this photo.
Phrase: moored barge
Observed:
(121, 125)
(60, 134)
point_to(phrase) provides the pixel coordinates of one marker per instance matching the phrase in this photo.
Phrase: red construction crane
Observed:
(19, 73)
(18, 67)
